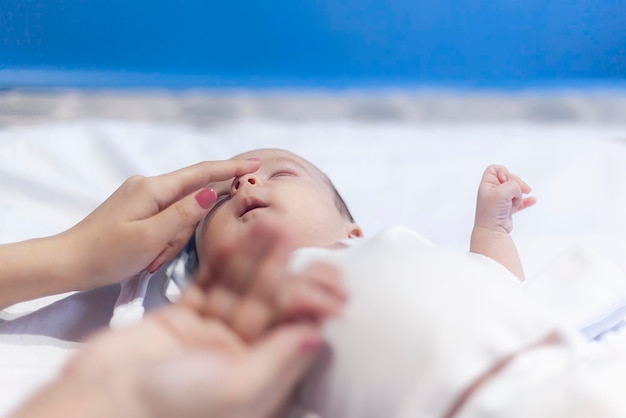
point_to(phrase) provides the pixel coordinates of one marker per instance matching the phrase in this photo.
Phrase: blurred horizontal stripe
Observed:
(205, 108)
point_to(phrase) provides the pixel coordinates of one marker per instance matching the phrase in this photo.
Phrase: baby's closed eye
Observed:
(283, 173)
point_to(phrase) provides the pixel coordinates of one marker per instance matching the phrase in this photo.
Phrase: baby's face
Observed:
(286, 189)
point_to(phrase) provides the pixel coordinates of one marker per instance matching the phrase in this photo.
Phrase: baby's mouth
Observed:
(251, 203)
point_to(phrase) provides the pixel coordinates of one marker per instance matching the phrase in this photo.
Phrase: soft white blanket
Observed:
(419, 176)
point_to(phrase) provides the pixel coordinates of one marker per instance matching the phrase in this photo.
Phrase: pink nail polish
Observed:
(206, 198)
(310, 345)
(152, 270)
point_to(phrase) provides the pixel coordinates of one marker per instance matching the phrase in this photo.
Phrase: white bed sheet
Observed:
(423, 177)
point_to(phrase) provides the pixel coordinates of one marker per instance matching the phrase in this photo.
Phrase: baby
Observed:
(300, 199)
(424, 328)
(303, 198)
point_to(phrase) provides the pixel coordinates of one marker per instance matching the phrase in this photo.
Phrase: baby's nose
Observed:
(239, 182)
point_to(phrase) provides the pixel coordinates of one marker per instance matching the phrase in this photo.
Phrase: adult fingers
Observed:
(172, 249)
(258, 309)
(179, 183)
(327, 277)
(172, 227)
(255, 286)
(248, 318)
(252, 318)
(234, 265)
(315, 293)
(305, 301)
(271, 269)
(311, 303)
(219, 302)
(168, 330)
(258, 262)
(222, 188)
(276, 363)
(192, 330)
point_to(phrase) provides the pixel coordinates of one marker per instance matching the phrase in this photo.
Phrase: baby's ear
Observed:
(354, 231)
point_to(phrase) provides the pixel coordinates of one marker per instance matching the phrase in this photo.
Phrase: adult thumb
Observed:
(175, 224)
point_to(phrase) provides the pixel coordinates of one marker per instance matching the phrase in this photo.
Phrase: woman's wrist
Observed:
(37, 267)
(74, 264)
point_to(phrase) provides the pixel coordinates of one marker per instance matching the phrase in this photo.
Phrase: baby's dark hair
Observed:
(339, 202)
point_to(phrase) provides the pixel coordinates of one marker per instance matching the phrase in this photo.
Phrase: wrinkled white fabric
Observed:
(129, 307)
(424, 323)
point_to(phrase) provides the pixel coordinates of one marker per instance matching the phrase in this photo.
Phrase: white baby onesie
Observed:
(422, 325)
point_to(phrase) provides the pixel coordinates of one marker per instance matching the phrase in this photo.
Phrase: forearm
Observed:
(36, 268)
(67, 397)
(498, 246)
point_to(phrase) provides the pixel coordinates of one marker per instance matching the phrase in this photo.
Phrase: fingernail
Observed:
(253, 159)
(310, 345)
(206, 198)
(157, 268)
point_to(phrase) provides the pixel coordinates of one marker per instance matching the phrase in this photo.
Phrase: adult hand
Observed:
(145, 222)
(249, 286)
(178, 363)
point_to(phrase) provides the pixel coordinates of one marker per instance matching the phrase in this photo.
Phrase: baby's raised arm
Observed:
(500, 195)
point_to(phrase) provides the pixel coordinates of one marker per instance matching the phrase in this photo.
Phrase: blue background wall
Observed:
(183, 43)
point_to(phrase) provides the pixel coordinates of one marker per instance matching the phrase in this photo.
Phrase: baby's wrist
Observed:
(490, 228)
(484, 236)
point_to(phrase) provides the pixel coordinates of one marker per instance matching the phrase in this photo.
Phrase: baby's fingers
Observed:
(502, 173)
(527, 202)
(523, 185)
